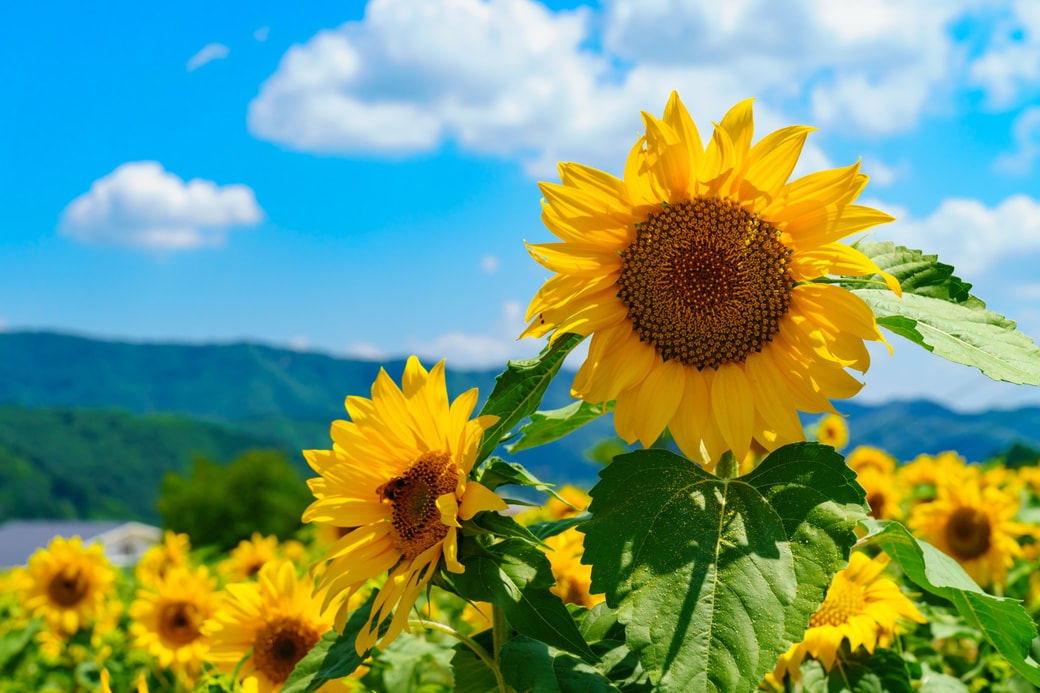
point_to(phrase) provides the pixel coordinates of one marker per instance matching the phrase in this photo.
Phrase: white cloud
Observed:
(1026, 132)
(141, 205)
(208, 53)
(299, 343)
(488, 350)
(881, 174)
(366, 351)
(1009, 69)
(489, 264)
(969, 235)
(262, 33)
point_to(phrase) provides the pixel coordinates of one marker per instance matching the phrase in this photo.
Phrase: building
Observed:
(124, 542)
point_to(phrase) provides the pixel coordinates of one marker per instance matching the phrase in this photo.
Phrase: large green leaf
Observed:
(547, 426)
(715, 578)
(1003, 622)
(530, 665)
(411, 663)
(516, 577)
(519, 390)
(937, 312)
(884, 671)
(471, 673)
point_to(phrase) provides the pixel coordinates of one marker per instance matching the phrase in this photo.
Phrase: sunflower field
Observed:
(737, 550)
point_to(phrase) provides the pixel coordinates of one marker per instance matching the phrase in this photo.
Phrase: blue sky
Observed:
(358, 178)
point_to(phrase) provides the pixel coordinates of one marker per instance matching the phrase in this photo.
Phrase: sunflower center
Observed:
(68, 588)
(413, 497)
(179, 623)
(282, 643)
(968, 533)
(844, 600)
(705, 282)
(876, 501)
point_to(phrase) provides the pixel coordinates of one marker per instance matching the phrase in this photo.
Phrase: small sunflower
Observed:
(168, 618)
(573, 578)
(973, 524)
(173, 552)
(245, 560)
(398, 473)
(864, 456)
(696, 275)
(832, 430)
(861, 607)
(884, 496)
(569, 501)
(270, 624)
(67, 584)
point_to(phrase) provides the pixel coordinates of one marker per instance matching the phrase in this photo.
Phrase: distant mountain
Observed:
(161, 403)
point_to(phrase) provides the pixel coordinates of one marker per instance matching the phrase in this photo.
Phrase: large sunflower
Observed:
(974, 524)
(271, 623)
(168, 618)
(861, 607)
(397, 474)
(67, 584)
(694, 274)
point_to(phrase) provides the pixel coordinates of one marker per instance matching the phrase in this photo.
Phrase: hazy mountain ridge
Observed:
(170, 401)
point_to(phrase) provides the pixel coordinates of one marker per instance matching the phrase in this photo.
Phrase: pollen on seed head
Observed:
(414, 517)
(705, 282)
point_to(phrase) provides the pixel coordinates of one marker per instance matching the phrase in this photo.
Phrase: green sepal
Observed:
(1003, 622)
(715, 578)
(519, 390)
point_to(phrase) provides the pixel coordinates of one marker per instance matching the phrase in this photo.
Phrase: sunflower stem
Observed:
(499, 631)
(728, 467)
(480, 652)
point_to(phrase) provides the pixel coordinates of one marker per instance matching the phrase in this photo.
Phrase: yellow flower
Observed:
(398, 473)
(172, 552)
(974, 525)
(832, 430)
(695, 275)
(573, 579)
(861, 607)
(142, 682)
(66, 583)
(883, 494)
(865, 456)
(477, 615)
(270, 623)
(575, 501)
(168, 618)
(246, 559)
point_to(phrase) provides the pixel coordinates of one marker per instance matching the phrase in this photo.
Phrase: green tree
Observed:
(220, 505)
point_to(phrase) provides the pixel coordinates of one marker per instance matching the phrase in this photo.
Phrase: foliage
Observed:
(220, 505)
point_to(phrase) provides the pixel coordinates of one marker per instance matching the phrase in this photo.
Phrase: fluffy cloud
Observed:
(1008, 69)
(971, 236)
(141, 205)
(488, 350)
(525, 81)
(208, 53)
(1026, 132)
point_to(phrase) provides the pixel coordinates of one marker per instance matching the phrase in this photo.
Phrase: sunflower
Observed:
(245, 560)
(884, 495)
(168, 618)
(974, 525)
(573, 578)
(398, 473)
(695, 275)
(861, 607)
(832, 430)
(568, 501)
(271, 623)
(865, 456)
(172, 552)
(66, 583)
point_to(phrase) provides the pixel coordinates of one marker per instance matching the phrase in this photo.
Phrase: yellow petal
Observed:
(477, 498)
(733, 408)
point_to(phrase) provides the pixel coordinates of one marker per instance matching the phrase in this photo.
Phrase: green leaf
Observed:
(471, 674)
(715, 578)
(502, 526)
(937, 312)
(334, 657)
(1003, 622)
(550, 528)
(530, 665)
(881, 672)
(547, 426)
(408, 664)
(497, 472)
(14, 642)
(519, 390)
(516, 577)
